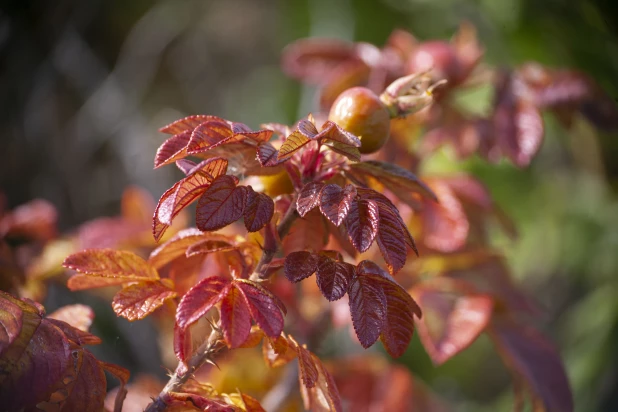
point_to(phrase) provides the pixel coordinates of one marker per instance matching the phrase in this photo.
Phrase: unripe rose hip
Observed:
(361, 112)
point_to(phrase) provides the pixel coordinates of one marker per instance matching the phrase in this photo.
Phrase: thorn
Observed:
(212, 362)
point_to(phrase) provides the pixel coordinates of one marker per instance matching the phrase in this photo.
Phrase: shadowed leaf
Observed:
(259, 210)
(534, 360)
(300, 265)
(362, 224)
(367, 307)
(222, 204)
(333, 277)
(452, 321)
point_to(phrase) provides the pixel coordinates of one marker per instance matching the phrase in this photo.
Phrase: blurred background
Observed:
(85, 85)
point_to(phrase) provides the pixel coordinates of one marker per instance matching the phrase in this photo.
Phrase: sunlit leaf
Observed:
(335, 202)
(187, 123)
(199, 300)
(173, 149)
(292, 144)
(308, 197)
(111, 263)
(265, 308)
(235, 317)
(138, 300)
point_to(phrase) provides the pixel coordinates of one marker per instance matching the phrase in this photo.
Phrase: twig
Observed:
(213, 346)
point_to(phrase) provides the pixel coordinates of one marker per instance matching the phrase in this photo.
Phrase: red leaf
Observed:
(122, 375)
(278, 351)
(109, 267)
(312, 60)
(182, 343)
(32, 365)
(213, 167)
(452, 320)
(206, 246)
(308, 233)
(331, 131)
(222, 204)
(172, 149)
(10, 322)
(384, 203)
(184, 192)
(199, 300)
(399, 325)
(77, 315)
(300, 265)
(265, 308)
(397, 179)
(259, 210)
(209, 135)
(391, 240)
(88, 384)
(445, 225)
(138, 300)
(362, 224)
(333, 277)
(318, 388)
(175, 247)
(235, 317)
(400, 309)
(187, 123)
(308, 197)
(518, 124)
(335, 202)
(185, 165)
(267, 155)
(367, 307)
(34, 220)
(78, 336)
(343, 149)
(535, 360)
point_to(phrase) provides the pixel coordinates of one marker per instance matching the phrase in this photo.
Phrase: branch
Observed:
(214, 345)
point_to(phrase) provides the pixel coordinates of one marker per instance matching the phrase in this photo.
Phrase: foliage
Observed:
(351, 220)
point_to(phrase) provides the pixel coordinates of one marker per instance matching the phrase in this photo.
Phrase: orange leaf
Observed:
(138, 300)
